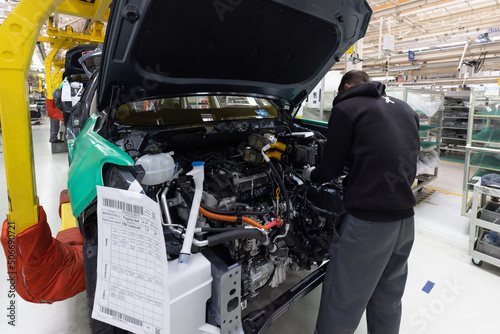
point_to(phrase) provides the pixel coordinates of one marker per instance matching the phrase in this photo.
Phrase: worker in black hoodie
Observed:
(375, 138)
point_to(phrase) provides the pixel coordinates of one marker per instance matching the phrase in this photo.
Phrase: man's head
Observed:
(353, 78)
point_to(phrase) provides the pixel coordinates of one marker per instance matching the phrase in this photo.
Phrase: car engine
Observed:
(256, 212)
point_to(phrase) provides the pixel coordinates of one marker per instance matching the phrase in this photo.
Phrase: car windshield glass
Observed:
(194, 109)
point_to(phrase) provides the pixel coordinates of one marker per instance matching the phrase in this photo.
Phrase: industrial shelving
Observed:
(423, 101)
(482, 150)
(455, 121)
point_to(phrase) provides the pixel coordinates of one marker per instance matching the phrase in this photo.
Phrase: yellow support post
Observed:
(49, 77)
(67, 218)
(40, 84)
(18, 36)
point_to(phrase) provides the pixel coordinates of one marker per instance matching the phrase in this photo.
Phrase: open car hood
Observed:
(269, 48)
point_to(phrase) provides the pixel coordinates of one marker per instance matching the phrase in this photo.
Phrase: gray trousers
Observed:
(54, 130)
(367, 270)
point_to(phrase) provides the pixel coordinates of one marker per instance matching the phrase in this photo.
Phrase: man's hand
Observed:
(306, 174)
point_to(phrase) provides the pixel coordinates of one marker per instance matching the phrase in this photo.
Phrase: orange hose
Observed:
(279, 146)
(274, 154)
(225, 218)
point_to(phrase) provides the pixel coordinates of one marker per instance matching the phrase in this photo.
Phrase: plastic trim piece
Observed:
(90, 153)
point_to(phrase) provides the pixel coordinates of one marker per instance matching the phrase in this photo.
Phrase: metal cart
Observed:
(484, 218)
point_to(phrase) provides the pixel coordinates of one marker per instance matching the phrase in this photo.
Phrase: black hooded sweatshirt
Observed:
(376, 138)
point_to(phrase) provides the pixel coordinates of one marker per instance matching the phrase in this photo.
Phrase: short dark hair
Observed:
(353, 78)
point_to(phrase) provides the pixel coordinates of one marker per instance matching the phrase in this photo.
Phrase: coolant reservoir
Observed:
(159, 168)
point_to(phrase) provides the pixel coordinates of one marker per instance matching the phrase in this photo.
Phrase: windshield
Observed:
(194, 109)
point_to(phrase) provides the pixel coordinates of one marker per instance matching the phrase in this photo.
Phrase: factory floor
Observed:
(464, 299)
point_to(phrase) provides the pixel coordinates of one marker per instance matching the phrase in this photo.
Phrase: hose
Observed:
(247, 220)
(317, 210)
(164, 205)
(299, 247)
(198, 175)
(234, 212)
(242, 234)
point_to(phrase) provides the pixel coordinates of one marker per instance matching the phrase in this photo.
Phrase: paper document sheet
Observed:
(131, 290)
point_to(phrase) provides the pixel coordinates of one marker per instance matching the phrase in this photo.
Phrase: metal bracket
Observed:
(259, 321)
(224, 309)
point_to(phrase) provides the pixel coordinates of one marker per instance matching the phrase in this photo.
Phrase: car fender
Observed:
(90, 153)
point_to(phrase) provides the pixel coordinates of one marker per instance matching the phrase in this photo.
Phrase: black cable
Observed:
(285, 192)
(317, 210)
(480, 62)
(268, 280)
(287, 128)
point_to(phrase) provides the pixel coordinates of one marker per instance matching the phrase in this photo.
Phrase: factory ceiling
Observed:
(448, 39)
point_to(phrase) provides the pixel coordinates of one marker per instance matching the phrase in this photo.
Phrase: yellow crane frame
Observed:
(65, 39)
(18, 37)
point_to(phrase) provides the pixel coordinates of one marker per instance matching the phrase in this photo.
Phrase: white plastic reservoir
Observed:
(190, 286)
(159, 168)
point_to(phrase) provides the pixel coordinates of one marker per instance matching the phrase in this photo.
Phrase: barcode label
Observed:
(137, 209)
(121, 316)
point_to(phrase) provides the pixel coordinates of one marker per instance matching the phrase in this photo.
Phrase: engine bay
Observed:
(241, 194)
(256, 210)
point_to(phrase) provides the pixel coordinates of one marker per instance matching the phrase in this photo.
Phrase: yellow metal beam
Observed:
(102, 10)
(65, 39)
(72, 36)
(99, 10)
(18, 36)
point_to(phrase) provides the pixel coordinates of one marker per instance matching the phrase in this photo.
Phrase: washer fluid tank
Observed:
(159, 168)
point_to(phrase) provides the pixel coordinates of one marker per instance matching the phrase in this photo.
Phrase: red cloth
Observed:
(46, 269)
(52, 111)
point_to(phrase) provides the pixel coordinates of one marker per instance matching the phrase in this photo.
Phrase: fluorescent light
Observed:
(397, 68)
(451, 44)
(417, 49)
(447, 86)
(443, 64)
(404, 68)
(483, 85)
(390, 77)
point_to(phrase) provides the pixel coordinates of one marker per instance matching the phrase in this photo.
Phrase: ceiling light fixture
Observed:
(398, 68)
(390, 77)
(405, 68)
(451, 44)
(417, 49)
